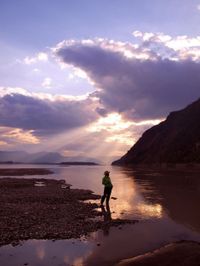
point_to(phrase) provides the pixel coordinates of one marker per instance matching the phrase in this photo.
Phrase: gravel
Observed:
(47, 212)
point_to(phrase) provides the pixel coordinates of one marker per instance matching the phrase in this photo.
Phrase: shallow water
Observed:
(165, 205)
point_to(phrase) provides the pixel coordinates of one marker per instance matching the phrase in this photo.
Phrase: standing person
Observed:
(106, 181)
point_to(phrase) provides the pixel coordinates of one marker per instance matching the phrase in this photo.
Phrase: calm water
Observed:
(166, 206)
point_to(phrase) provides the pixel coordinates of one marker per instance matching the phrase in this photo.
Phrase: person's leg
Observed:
(104, 196)
(109, 190)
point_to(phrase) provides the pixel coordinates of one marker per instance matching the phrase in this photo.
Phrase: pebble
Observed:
(48, 214)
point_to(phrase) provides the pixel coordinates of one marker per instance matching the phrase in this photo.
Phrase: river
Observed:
(166, 206)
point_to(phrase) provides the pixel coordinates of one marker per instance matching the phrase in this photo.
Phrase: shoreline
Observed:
(163, 167)
(38, 208)
(182, 253)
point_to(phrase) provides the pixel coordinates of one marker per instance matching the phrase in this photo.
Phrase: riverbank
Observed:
(47, 209)
(183, 253)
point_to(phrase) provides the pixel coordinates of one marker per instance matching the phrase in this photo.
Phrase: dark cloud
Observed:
(139, 89)
(44, 116)
(101, 111)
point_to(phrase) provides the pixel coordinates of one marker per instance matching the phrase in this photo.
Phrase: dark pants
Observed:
(106, 194)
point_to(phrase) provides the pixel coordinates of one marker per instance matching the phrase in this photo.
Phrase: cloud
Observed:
(107, 138)
(2, 143)
(47, 82)
(13, 136)
(135, 85)
(176, 48)
(44, 116)
(142, 87)
(31, 119)
(118, 129)
(9, 90)
(40, 57)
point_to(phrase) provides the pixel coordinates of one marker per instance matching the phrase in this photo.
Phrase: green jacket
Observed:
(106, 181)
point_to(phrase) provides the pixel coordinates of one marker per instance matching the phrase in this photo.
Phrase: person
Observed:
(106, 181)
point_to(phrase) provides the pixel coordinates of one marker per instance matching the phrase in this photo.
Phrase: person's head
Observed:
(106, 173)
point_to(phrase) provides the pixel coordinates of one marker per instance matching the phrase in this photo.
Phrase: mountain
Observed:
(39, 157)
(44, 157)
(175, 140)
(16, 156)
(25, 157)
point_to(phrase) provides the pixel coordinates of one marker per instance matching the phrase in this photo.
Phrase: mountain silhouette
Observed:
(175, 140)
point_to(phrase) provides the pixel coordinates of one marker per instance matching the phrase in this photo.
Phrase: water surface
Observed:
(165, 205)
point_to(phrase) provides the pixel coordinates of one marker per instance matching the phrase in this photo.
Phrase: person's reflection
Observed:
(106, 218)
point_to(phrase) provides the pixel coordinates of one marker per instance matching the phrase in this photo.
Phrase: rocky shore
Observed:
(47, 209)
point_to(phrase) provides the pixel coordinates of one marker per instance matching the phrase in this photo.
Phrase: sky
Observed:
(87, 78)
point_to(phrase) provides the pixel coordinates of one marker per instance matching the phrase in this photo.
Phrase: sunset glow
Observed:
(99, 132)
(93, 92)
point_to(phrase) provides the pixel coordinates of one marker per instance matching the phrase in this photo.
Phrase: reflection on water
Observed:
(150, 210)
(165, 205)
(100, 249)
(178, 193)
(130, 202)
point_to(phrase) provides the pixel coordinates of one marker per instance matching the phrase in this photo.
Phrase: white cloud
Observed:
(42, 96)
(21, 136)
(119, 129)
(174, 48)
(40, 57)
(12, 136)
(47, 83)
(8, 90)
(77, 73)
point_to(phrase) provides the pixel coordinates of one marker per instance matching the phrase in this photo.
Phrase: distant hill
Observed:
(39, 157)
(25, 157)
(78, 163)
(175, 140)
(13, 156)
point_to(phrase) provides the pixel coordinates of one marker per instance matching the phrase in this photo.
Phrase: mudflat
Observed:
(47, 209)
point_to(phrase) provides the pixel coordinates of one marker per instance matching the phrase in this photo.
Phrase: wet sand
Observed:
(47, 209)
(183, 253)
